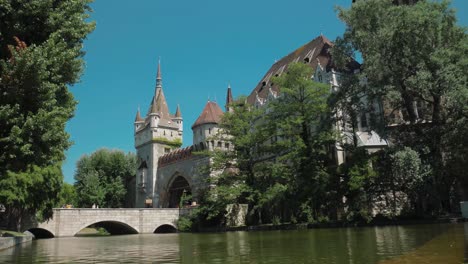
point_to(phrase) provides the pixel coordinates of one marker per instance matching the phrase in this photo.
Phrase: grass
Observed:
(7, 233)
(90, 231)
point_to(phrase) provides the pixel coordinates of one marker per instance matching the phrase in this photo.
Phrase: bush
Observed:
(276, 220)
(185, 224)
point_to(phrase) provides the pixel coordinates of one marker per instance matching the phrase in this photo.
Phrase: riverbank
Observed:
(10, 239)
(334, 224)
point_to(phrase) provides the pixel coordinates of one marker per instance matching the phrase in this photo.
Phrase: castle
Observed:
(166, 171)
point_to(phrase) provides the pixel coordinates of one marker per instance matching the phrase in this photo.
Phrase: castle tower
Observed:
(156, 134)
(206, 128)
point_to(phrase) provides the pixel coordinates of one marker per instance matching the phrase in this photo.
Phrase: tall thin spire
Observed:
(229, 99)
(177, 113)
(158, 76)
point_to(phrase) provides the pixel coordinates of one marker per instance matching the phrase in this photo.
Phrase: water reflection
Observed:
(407, 244)
(466, 242)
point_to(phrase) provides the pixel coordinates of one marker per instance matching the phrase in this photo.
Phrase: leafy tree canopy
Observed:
(104, 177)
(40, 56)
(414, 62)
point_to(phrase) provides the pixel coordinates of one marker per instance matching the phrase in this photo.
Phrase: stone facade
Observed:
(167, 172)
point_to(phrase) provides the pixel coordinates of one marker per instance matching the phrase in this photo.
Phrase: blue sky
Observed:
(203, 45)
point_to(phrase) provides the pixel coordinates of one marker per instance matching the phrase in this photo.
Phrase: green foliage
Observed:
(184, 224)
(103, 178)
(297, 122)
(38, 61)
(276, 220)
(277, 160)
(67, 195)
(102, 232)
(174, 143)
(415, 63)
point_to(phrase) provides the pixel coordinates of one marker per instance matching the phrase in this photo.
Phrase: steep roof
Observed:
(138, 116)
(211, 114)
(159, 104)
(177, 112)
(312, 53)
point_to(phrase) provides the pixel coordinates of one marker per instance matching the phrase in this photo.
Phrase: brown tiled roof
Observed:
(159, 104)
(176, 155)
(212, 113)
(312, 53)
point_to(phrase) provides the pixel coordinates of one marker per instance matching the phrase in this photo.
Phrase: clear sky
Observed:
(203, 45)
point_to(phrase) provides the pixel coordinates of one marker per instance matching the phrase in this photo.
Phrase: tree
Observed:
(40, 56)
(232, 169)
(68, 195)
(103, 177)
(415, 62)
(297, 120)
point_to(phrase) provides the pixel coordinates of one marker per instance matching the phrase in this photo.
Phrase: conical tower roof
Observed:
(211, 114)
(138, 116)
(177, 113)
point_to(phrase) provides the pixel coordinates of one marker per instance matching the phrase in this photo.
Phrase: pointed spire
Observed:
(229, 99)
(158, 76)
(138, 116)
(177, 112)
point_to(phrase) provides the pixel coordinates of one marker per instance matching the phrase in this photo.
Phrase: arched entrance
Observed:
(179, 190)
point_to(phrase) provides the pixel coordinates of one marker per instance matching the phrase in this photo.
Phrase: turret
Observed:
(139, 122)
(178, 119)
(206, 126)
(153, 114)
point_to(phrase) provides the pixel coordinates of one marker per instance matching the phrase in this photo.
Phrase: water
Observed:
(383, 245)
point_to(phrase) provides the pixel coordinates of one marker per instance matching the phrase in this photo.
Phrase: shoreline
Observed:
(14, 240)
(337, 224)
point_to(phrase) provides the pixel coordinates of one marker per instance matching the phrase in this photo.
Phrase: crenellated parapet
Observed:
(176, 156)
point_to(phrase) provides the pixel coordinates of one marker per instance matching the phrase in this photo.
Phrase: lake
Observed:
(436, 243)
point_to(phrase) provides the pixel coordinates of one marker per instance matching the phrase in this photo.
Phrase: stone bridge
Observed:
(68, 222)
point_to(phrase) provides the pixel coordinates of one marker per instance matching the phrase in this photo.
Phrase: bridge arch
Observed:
(165, 228)
(41, 232)
(178, 187)
(114, 227)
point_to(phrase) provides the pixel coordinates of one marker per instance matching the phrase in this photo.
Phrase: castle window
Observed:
(142, 176)
(363, 120)
(226, 145)
(220, 144)
(164, 132)
(209, 131)
(171, 133)
(306, 60)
